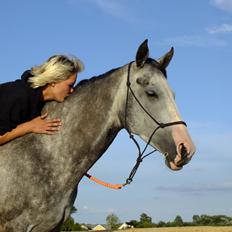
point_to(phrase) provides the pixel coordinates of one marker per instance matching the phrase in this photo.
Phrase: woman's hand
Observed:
(37, 125)
(41, 125)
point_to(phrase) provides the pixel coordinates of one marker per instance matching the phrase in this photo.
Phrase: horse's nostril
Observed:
(183, 151)
(182, 157)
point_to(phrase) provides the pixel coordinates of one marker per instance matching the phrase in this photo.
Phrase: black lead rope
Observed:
(141, 155)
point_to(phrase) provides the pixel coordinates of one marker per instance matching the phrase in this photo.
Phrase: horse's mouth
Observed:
(173, 166)
(179, 161)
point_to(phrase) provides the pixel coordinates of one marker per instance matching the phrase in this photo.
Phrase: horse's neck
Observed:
(91, 120)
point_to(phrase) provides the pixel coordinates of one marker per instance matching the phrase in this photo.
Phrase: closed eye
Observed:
(72, 86)
(151, 93)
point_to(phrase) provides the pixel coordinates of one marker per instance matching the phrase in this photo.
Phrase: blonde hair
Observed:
(57, 68)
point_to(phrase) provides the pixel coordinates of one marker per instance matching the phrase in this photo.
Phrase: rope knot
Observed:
(162, 125)
(128, 181)
(139, 160)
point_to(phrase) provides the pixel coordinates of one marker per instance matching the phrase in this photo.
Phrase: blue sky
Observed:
(105, 34)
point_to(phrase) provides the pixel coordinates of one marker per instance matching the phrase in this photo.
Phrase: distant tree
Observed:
(145, 218)
(205, 220)
(161, 224)
(216, 220)
(145, 221)
(73, 210)
(133, 223)
(178, 221)
(196, 220)
(226, 220)
(70, 224)
(112, 221)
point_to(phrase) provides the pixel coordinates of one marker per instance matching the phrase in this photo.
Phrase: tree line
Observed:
(145, 221)
(197, 220)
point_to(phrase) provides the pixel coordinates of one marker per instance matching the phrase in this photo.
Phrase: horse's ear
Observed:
(142, 54)
(165, 60)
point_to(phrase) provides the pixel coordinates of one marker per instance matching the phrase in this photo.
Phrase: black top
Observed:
(18, 103)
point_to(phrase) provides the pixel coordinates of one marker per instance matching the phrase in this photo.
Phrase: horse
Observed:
(39, 174)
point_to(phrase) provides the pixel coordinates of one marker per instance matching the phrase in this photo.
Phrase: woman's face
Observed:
(63, 89)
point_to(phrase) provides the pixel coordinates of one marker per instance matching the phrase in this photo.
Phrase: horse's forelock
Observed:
(157, 65)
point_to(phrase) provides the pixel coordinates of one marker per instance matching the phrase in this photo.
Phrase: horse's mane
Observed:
(94, 78)
(101, 76)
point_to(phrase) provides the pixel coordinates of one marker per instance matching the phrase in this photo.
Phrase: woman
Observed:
(21, 101)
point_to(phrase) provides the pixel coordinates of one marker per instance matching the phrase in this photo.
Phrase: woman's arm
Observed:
(37, 125)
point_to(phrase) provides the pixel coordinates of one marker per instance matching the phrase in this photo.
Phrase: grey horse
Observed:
(39, 174)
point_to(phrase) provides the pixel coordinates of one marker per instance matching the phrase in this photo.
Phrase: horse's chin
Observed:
(172, 165)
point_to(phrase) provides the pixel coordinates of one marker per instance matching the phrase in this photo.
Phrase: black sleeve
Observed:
(10, 117)
(3, 129)
(12, 107)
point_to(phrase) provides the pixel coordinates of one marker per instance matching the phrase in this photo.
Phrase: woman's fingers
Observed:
(43, 116)
(54, 122)
(52, 128)
(49, 133)
(42, 125)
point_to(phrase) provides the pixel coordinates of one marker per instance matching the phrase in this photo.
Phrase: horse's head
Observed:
(163, 127)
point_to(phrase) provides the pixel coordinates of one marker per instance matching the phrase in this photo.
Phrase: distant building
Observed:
(99, 228)
(84, 227)
(125, 226)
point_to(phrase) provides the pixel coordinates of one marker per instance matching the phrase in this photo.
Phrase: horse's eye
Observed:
(151, 93)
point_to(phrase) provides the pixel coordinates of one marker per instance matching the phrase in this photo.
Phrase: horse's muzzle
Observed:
(183, 156)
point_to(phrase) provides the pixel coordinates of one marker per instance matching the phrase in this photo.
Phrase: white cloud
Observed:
(198, 188)
(225, 5)
(93, 210)
(110, 7)
(224, 28)
(195, 41)
(114, 8)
